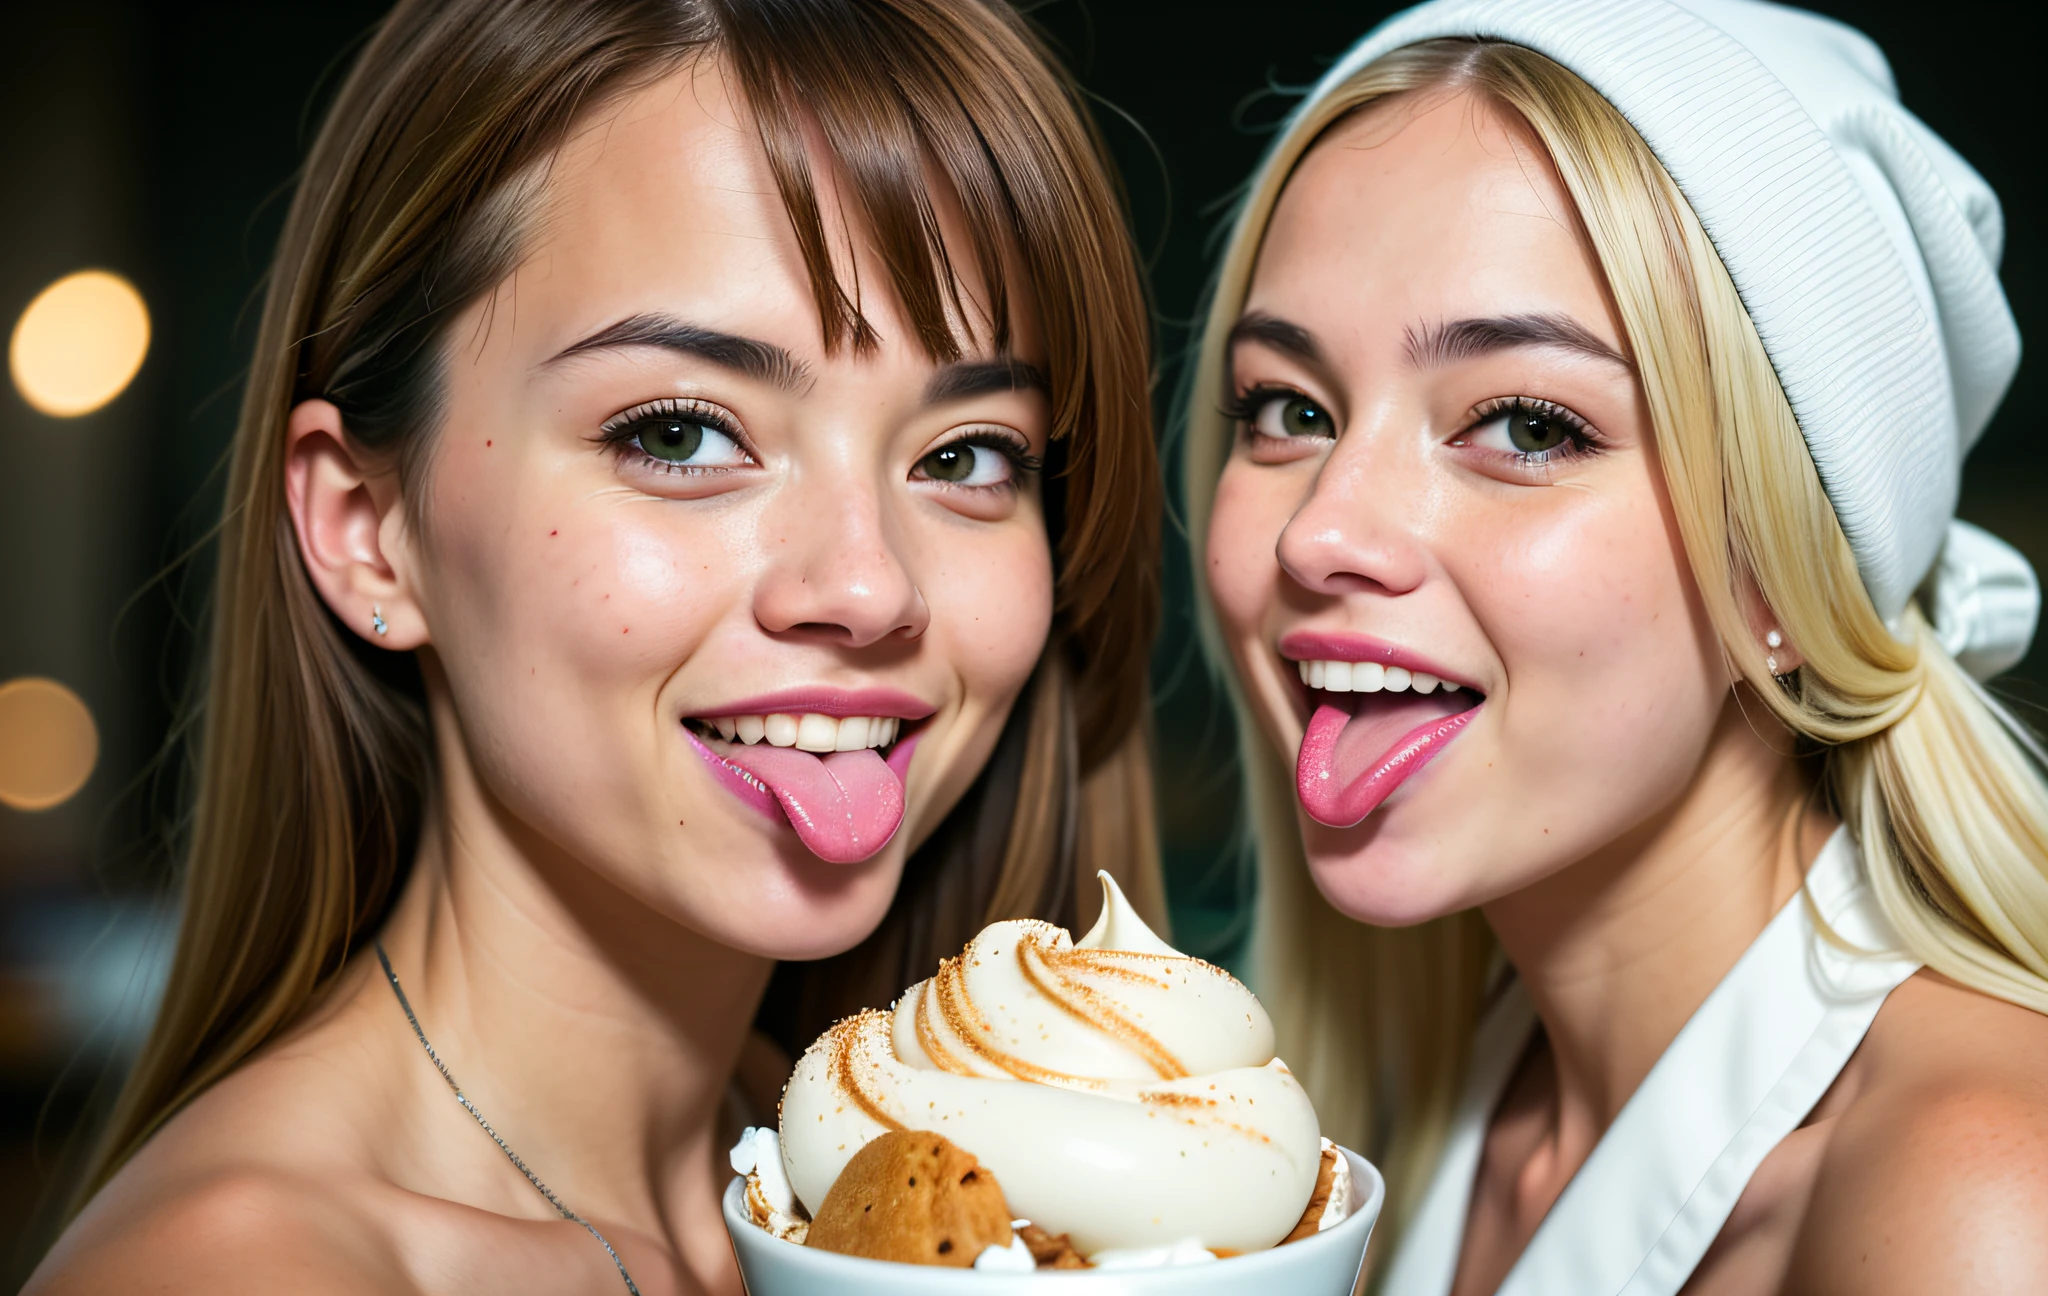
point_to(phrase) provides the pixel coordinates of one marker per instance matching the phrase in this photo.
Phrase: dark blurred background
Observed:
(158, 142)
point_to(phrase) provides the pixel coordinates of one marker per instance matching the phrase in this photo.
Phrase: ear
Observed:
(1763, 623)
(351, 527)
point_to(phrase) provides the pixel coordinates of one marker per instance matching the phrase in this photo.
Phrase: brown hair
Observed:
(314, 769)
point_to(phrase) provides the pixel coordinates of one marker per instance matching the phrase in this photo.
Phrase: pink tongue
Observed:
(845, 805)
(1348, 741)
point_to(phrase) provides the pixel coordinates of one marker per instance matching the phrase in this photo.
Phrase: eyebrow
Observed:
(1279, 334)
(751, 357)
(967, 378)
(1467, 339)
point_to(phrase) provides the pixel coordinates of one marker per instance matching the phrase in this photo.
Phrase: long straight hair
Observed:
(1934, 780)
(315, 767)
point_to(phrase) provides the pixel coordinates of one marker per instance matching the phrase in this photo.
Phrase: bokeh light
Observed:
(79, 343)
(48, 743)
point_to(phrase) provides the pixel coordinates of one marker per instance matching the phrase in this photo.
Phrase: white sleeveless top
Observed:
(1742, 1074)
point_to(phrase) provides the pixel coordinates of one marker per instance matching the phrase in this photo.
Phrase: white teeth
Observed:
(809, 732)
(1368, 677)
(852, 735)
(817, 733)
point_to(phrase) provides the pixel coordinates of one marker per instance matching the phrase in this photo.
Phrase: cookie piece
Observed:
(913, 1197)
(1051, 1250)
(1318, 1201)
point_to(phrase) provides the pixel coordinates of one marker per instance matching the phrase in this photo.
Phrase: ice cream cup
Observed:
(1324, 1265)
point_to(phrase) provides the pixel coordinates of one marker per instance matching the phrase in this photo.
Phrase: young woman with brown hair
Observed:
(693, 509)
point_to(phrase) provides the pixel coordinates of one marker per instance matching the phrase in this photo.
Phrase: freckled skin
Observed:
(825, 565)
(591, 918)
(1626, 823)
(1564, 595)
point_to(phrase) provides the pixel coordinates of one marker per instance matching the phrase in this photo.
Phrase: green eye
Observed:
(671, 440)
(1286, 417)
(1300, 416)
(1533, 431)
(954, 463)
(967, 463)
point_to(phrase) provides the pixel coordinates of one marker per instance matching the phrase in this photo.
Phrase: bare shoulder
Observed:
(1936, 1177)
(244, 1190)
(230, 1230)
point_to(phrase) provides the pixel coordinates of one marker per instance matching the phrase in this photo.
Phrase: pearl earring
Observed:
(1773, 639)
(377, 619)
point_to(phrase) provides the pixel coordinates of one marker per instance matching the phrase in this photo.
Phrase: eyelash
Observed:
(618, 431)
(1581, 441)
(1004, 442)
(1242, 407)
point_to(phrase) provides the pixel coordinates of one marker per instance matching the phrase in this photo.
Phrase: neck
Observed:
(1618, 950)
(597, 1034)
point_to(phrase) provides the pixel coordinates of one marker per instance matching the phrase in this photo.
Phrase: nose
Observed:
(1354, 533)
(835, 574)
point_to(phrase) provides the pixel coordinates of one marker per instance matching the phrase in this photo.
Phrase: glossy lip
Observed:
(736, 781)
(1410, 752)
(820, 700)
(1329, 645)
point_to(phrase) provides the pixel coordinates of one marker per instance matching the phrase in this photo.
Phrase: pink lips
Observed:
(1359, 747)
(845, 806)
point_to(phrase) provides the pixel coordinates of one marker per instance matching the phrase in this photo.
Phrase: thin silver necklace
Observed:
(503, 1146)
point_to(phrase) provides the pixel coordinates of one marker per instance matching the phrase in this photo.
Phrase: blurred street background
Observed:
(147, 151)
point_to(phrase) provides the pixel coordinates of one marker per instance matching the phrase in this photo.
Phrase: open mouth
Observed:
(836, 779)
(1371, 727)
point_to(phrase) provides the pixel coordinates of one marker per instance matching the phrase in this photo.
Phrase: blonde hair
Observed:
(1939, 785)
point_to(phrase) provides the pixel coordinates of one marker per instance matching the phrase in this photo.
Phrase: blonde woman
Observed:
(1575, 448)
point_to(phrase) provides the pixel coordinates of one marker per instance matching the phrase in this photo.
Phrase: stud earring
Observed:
(377, 619)
(1773, 639)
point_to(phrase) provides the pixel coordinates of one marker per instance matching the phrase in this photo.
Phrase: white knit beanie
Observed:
(1864, 248)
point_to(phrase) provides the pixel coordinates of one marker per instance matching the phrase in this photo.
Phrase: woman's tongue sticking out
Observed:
(845, 805)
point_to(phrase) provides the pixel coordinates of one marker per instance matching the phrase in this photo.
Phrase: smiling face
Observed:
(730, 620)
(1441, 551)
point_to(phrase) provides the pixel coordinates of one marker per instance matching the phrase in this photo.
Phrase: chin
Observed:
(1376, 875)
(812, 908)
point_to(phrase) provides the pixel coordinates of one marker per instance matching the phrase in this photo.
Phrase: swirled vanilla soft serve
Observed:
(1122, 1093)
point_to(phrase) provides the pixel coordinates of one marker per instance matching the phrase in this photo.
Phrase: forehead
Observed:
(1423, 208)
(664, 201)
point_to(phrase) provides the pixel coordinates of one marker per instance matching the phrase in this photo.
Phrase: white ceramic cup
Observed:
(1324, 1265)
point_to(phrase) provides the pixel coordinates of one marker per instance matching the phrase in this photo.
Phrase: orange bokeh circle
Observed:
(48, 743)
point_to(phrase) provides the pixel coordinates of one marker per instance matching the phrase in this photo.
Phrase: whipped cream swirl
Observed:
(1122, 1092)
